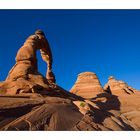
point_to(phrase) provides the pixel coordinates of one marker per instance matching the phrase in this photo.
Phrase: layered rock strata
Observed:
(87, 85)
(119, 87)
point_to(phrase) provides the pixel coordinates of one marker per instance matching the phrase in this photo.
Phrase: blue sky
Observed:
(106, 42)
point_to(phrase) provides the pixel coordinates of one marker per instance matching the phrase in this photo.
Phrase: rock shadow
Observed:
(106, 103)
(9, 115)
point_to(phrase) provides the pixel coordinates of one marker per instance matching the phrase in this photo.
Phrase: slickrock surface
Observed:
(87, 85)
(107, 112)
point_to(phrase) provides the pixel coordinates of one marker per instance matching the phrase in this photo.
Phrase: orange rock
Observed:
(119, 87)
(24, 76)
(87, 85)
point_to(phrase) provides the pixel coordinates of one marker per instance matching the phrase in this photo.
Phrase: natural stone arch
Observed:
(24, 76)
(26, 59)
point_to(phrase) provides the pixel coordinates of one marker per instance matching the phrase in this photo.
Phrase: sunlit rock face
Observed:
(119, 87)
(87, 85)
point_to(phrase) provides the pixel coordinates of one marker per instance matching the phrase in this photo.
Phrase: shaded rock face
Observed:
(119, 87)
(47, 113)
(87, 85)
(57, 113)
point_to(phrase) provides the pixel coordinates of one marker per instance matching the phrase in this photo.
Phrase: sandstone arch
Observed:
(24, 75)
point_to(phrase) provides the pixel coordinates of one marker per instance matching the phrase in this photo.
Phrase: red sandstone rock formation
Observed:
(29, 101)
(117, 108)
(119, 87)
(24, 76)
(87, 85)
